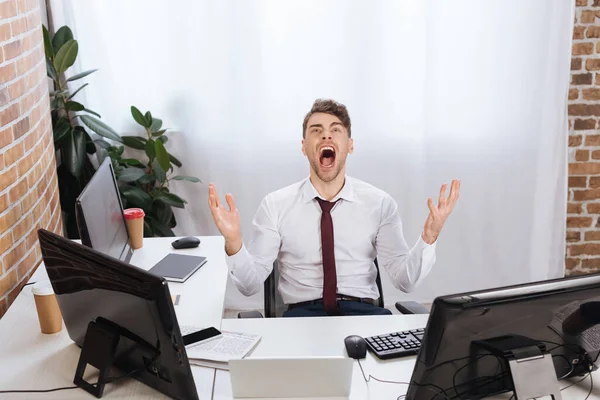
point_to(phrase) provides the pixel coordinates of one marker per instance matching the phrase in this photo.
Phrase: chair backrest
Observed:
(274, 306)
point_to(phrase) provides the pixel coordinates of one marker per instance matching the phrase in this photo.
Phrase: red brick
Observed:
(573, 94)
(4, 32)
(582, 155)
(3, 203)
(584, 109)
(12, 49)
(581, 79)
(18, 191)
(6, 137)
(16, 89)
(575, 140)
(592, 64)
(587, 248)
(583, 49)
(12, 258)
(25, 64)
(593, 208)
(591, 263)
(32, 39)
(593, 32)
(579, 222)
(33, 20)
(579, 32)
(6, 242)
(19, 26)
(8, 9)
(22, 228)
(26, 5)
(9, 114)
(577, 181)
(573, 236)
(591, 94)
(582, 195)
(7, 178)
(584, 168)
(596, 155)
(25, 266)
(574, 208)
(592, 140)
(592, 236)
(594, 181)
(21, 127)
(14, 153)
(587, 17)
(8, 281)
(585, 124)
(7, 73)
(33, 137)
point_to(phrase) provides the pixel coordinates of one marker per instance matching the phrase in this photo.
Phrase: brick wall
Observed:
(28, 186)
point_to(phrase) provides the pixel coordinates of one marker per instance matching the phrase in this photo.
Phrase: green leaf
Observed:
(150, 149)
(47, 43)
(74, 106)
(159, 133)
(161, 155)
(51, 71)
(120, 150)
(81, 75)
(135, 142)
(100, 128)
(102, 143)
(171, 199)
(61, 130)
(66, 56)
(185, 178)
(163, 139)
(87, 110)
(133, 162)
(148, 117)
(139, 117)
(162, 212)
(160, 229)
(137, 197)
(75, 152)
(159, 172)
(156, 124)
(146, 179)
(131, 174)
(174, 160)
(62, 36)
(77, 91)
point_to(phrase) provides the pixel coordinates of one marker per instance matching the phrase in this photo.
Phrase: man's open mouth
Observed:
(327, 156)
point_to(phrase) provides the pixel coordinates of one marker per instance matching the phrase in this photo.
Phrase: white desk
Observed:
(324, 336)
(32, 360)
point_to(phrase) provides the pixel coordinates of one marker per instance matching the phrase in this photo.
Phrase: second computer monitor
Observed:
(100, 218)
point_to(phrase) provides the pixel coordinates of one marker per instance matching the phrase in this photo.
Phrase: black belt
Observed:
(338, 298)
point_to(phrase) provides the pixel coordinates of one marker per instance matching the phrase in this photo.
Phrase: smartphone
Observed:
(198, 336)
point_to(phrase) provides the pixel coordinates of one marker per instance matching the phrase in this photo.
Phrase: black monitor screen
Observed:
(91, 286)
(456, 362)
(100, 217)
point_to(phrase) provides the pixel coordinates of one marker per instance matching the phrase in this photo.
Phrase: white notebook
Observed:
(217, 351)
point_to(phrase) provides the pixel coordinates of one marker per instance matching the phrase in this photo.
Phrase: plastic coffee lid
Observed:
(42, 288)
(133, 213)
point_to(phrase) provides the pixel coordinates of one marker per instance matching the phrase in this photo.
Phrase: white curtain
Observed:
(436, 90)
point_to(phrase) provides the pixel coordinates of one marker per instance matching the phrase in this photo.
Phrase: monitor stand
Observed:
(531, 366)
(99, 349)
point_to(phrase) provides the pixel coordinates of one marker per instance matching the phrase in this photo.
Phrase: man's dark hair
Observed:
(328, 106)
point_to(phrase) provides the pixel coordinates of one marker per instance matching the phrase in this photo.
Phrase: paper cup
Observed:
(135, 225)
(47, 307)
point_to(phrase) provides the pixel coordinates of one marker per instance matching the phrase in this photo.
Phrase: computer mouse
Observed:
(356, 347)
(186, 243)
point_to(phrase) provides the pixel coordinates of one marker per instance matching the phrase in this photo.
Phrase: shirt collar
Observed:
(309, 192)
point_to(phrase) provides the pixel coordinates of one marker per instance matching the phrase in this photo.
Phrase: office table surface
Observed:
(32, 360)
(324, 336)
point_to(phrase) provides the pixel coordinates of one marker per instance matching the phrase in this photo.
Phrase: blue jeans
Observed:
(346, 308)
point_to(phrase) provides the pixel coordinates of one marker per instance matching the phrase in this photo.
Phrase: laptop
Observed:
(285, 377)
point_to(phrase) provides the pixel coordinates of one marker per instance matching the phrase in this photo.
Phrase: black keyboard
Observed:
(397, 344)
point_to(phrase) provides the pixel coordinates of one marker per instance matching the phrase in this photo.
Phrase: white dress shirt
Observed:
(366, 226)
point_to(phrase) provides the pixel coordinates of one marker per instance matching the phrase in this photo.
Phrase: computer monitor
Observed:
(102, 298)
(99, 213)
(472, 340)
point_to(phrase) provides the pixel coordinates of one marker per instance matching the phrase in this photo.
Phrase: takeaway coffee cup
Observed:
(47, 307)
(135, 226)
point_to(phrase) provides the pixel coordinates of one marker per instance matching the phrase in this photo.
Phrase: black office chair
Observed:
(275, 307)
